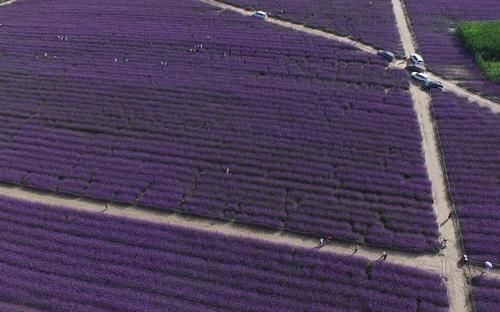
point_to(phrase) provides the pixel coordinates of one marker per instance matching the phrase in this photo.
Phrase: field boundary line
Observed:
(421, 261)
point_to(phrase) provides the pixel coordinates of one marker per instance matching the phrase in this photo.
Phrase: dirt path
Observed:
(427, 262)
(458, 288)
(452, 87)
(295, 26)
(7, 2)
(456, 281)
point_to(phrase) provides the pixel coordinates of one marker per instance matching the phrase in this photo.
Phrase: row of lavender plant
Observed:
(58, 259)
(372, 22)
(214, 114)
(434, 23)
(486, 293)
(471, 145)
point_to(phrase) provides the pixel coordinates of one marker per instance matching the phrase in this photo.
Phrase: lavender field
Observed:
(434, 23)
(214, 114)
(471, 147)
(61, 260)
(486, 294)
(371, 22)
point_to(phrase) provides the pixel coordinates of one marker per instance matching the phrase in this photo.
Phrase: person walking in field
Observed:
(356, 248)
(487, 268)
(383, 256)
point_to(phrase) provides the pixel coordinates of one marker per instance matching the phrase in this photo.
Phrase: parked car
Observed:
(416, 59)
(386, 54)
(420, 77)
(260, 14)
(419, 68)
(430, 84)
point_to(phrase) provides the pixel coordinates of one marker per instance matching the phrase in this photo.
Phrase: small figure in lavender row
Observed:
(444, 243)
(227, 171)
(356, 248)
(487, 268)
(383, 256)
(463, 261)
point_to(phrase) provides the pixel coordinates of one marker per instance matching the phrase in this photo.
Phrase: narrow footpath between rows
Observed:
(425, 262)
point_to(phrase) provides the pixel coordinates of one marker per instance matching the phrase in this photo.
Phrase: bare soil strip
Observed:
(458, 289)
(456, 281)
(7, 2)
(427, 262)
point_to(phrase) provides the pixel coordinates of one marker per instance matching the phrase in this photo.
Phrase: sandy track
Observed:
(7, 2)
(428, 262)
(458, 289)
(456, 281)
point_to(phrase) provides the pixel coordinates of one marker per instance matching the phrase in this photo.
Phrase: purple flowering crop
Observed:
(57, 259)
(471, 147)
(214, 114)
(486, 294)
(372, 22)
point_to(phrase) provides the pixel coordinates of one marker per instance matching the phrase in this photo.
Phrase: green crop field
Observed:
(483, 40)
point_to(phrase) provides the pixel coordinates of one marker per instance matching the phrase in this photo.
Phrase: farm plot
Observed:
(371, 22)
(213, 114)
(471, 147)
(60, 259)
(486, 294)
(434, 24)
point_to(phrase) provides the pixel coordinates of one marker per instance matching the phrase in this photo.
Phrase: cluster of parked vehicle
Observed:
(415, 63)
(416, 66)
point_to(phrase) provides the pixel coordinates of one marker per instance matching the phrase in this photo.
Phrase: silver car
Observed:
(421, 77)
(416, 59)
(260, 14)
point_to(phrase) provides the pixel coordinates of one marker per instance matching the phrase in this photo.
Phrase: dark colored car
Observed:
(386, 54)
(416, 68)
(432, 84)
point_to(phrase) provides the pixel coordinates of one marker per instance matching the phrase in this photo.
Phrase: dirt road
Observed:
(458, 288)
(427, 262)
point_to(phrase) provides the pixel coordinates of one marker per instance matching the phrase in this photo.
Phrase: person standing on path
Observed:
(356, 248)
(444, 243)
(463, 261)
(487, 268)
(383, 256)
(321, 243)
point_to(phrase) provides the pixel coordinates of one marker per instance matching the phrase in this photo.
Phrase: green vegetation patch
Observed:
(483, 40)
